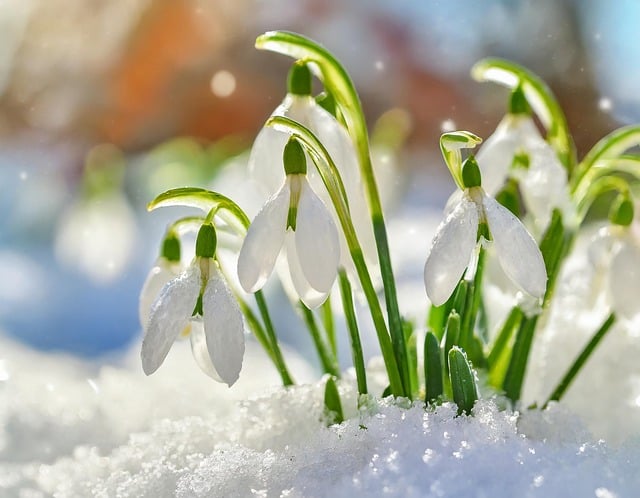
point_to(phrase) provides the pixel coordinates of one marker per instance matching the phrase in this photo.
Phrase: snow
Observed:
(79, 430)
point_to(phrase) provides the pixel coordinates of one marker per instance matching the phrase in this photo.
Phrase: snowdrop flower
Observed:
(294, 217)
(197, 303)
(165, 269)
(537, 168)
(615, 253)
(457, 236)
(265, 161)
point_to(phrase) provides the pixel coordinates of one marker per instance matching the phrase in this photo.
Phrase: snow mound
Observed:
(174, 435)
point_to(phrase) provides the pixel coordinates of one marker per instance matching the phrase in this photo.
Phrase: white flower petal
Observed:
(624, 280)
(311, 297)
(451, 251)
(317, 241)
(161, 273)
(496, 155)
(263, 242)
(200, 351)
(544, 184)
(169, 315)
(223, 327)
(265, 161)
(517, 251)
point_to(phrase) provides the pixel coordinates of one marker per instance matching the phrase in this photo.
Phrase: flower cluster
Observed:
(520, 203)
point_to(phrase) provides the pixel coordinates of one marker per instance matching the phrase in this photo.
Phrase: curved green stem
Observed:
(331, 178)
(204, 200)
(451, 145)
(539, 97)
(596, 188)
(610, 147)
(339, 84)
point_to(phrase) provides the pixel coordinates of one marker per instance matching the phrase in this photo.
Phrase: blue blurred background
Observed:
(105, 104)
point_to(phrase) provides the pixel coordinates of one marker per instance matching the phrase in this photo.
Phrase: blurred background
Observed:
(106, 103)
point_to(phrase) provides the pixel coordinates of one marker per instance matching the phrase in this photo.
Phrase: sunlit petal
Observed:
(265, 161)
(624, 280)
(263, 241)
(516, 249)
(161, 273)
(200, 351)
(544, 184)
(317, 242)
(311, 297)
(496, 155)
(223, 327)
(169, 315)
(450, 251)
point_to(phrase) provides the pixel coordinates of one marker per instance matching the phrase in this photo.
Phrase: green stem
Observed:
(337, 81)
(332, 180)
(566, 381)
(329, 326)
(609, 147)
(277, 354)
(519, 358)
(354, 334)
(327, 360)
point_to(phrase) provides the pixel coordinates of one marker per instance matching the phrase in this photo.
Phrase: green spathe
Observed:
(471, 173)
(206, 241)
(295, 162)
(299, 80)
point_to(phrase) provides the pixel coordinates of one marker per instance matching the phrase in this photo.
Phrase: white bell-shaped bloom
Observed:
(456, 239)
(543, 181)
(615, 254)
(312, 247)
(160, 274)
(265, 165)
(217, 335)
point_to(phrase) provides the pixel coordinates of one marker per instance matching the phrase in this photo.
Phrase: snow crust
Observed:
(69, 430)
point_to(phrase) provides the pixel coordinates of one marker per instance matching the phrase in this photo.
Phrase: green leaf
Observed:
(463, 382)
(582, 358)
(332, 404)
(452, 334)
(434, 389)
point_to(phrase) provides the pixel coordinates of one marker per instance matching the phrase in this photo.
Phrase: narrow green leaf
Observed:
(354, 333)
(451, 335)
(514, 377)
(463, 382)
(582, 358)
(434, 388)
(332, 404)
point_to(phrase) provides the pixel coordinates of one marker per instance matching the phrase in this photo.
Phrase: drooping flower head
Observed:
(457, 236)
(265, 161)
(165, 269)
(517, 150)
(197, 303)
(296, 218)
(615, 253)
